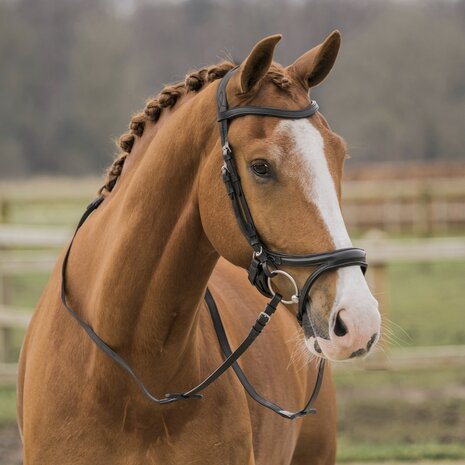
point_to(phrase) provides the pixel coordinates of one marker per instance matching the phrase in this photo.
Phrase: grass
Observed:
(426, 303)
(405, 416)
(61, 201)
(374, 380)
(368, 452)
(23, 292)
(25, 289)
(7, 404)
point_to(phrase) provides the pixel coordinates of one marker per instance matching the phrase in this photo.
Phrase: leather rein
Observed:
(263, 268)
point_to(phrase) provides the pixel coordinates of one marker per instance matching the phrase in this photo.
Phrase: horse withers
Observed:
(165, 230)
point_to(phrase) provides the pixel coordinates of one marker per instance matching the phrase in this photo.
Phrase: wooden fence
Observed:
(382, 251)
(419, 207)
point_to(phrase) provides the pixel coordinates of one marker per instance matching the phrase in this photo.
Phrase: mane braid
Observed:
(167, 98)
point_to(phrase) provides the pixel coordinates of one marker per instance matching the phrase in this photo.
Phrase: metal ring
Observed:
(294, 297)
(257, 254)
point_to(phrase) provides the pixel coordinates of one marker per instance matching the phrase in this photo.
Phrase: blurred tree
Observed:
(399, 91)
(73, 71)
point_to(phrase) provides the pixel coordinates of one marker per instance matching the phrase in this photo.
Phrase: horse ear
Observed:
(312, 67)
(256, 65)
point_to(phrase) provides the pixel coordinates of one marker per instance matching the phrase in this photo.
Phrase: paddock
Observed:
(33, 248)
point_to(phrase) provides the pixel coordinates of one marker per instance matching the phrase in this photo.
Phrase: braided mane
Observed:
(167, 98)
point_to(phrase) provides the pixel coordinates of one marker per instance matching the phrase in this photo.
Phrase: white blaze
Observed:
(352, 291)
(316, 179)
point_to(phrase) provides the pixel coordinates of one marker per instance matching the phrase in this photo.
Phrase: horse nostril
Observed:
(340, 329)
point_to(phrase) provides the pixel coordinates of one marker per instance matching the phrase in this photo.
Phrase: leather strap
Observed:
(226, 348)
(338, 259)
(102, 345)
(265, 259)
(257, 328)
(232, 357)
(269, 111)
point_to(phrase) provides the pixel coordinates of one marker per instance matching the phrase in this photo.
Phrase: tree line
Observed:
(73, 71)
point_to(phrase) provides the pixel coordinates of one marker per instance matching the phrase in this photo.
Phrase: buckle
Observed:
(257, 254)
(174, 396)
(226, 150)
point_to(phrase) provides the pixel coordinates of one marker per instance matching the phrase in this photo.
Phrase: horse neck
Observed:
(153, 257)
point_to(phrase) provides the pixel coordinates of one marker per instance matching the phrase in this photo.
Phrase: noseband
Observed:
(263, 268)
(265, 262)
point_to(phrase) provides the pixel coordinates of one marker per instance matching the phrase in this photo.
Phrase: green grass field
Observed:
(427, 302)
(408, 415)
(7, 404)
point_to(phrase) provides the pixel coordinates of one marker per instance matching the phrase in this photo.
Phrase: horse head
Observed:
(290, 172)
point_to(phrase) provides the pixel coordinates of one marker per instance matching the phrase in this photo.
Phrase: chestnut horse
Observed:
(138, 271)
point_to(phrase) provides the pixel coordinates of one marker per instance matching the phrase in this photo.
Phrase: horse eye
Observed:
(261, 168)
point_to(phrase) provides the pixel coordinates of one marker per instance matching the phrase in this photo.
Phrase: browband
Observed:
(225, 113)
(269, 111)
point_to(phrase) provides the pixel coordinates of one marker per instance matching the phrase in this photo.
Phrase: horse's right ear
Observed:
(254, 68)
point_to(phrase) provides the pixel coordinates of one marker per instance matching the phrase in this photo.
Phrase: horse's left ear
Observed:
(312, 67)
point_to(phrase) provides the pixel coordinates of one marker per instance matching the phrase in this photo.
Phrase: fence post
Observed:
(426, 211)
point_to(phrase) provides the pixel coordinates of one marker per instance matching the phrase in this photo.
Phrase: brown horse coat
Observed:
(137, 273)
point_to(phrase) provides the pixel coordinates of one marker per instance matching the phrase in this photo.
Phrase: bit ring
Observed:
(294, 297)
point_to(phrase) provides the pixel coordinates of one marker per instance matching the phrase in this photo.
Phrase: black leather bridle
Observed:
(265, 262)
(263, 268)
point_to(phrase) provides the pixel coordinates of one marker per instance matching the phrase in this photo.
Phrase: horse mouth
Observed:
(317, 348)
(313, 346)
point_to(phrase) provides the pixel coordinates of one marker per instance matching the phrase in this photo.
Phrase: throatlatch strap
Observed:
(226, 348)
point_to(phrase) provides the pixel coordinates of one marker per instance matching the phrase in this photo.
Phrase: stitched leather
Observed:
(269, 111)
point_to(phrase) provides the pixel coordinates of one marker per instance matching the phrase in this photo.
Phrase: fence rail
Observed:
(418, 206)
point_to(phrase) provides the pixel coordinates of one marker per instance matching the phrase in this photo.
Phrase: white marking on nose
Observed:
(316, 179)
(352, 292)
